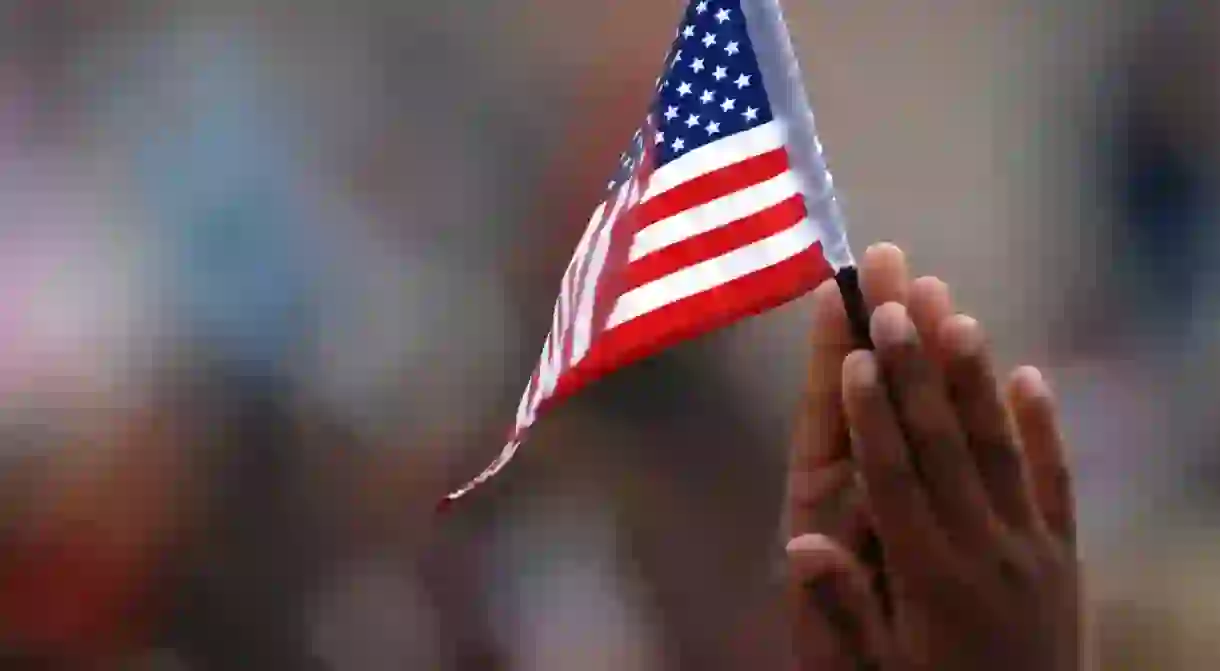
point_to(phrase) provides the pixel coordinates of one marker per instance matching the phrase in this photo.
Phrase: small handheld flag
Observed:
(721, 208)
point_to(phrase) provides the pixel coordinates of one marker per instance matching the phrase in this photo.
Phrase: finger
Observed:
(820, 440)
(884, 275)
(836, 619)
(817, 499)
(896, 501)
(970, 376)
(1033, 407)
(929, 304)
(930, 425)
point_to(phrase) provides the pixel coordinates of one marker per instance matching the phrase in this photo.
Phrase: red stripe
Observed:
(694, 316)
(714, 243)
(709, 187)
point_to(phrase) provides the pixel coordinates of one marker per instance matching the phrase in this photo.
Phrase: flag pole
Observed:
(782, 76)
(790, 102)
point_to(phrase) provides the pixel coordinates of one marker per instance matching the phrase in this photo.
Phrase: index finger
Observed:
(821, 443)
(821, 435)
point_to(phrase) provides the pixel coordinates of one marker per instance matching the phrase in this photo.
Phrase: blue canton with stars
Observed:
(711, 88)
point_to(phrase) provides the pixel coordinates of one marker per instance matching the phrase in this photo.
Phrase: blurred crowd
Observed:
(274, 273)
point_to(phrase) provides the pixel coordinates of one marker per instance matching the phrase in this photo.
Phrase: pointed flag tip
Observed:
(492, 469)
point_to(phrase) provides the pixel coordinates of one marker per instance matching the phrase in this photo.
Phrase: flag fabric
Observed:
(720, 208)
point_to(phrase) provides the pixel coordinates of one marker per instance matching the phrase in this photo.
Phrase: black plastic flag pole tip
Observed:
(848, 280)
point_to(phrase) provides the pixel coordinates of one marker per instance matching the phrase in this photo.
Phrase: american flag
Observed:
(720, 208)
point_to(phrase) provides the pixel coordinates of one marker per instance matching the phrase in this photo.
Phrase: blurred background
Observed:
(274, 273)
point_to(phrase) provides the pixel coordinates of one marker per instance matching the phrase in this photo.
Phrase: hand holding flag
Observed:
(975, 517)
(721, 208)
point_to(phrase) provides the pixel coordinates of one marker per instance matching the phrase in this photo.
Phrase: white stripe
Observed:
(578, 267)
(553, 356)
(582, 329)
(714, 156)
(714, 272)
(546, 376)
(710, 216)
(525, 409)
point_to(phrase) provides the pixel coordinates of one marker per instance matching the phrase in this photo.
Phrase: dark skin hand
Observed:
(966, 489)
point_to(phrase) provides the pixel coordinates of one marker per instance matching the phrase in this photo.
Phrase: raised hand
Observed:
(967, 491)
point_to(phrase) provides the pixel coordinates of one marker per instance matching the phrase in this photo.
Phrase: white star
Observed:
(709, 39)
(722, 15)
(678, 144)
(683, 89)
(720, 73)
(727, 105)
(678, 56)
(692, 121)
(742, 81)
(707, 97)
(671, 113)
(750, 114)
(712, 128)
(660, 137)
(732, 48)
(701, 7)
(688, 31)
(697, 65)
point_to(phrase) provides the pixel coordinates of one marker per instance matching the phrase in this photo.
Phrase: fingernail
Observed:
(963, 336)
(859, 371)
(932, 283)
(810, 543)
(890, 325)
(1030, 382)
(883, 247)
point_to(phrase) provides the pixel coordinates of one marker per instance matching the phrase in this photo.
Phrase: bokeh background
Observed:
(274, 273)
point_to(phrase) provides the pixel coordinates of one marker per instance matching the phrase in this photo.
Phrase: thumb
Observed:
(836, 619)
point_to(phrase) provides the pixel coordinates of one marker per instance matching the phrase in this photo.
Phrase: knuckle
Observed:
(999, 454)
(894, 475)
(942, 441)
(943, 584)
(918, 382)
(1017, 570)
(942, 450)
(1051, 556)
(904, 364)
(1057, 477)
(1021, 565)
